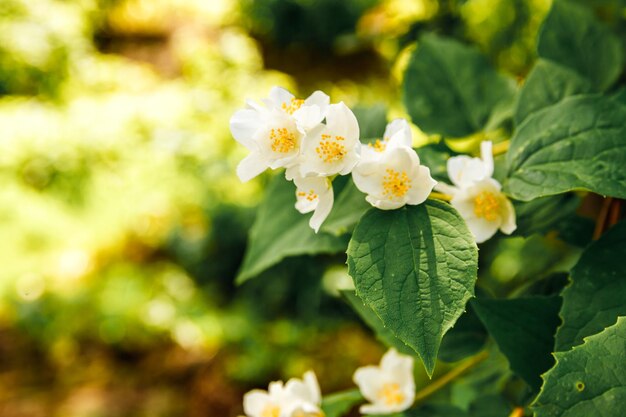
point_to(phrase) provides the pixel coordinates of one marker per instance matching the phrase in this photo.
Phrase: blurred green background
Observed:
(123, 223)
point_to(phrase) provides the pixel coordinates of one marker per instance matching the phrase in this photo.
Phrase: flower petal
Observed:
(398, 133)
(422, 186)
(508, 225)
(486, 154)
(463, 170)
(340, 121)
(251, 166)
(243, 125)
(481, 228)
(255, 401)
(322, 211)
(369, 381)
(279, 96)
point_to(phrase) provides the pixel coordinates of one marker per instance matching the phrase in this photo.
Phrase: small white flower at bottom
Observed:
(298, 397)
(397, 134)
(390, 387)
(484, 208)
(314, 194)
(396, 179)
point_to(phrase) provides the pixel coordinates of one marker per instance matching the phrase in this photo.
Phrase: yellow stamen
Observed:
(487, 205)
(396, 184)
(283, 140)
(311, 195)
(330, 148)
(379, 145)
(271, 410)
(294, 105)
(390, 394)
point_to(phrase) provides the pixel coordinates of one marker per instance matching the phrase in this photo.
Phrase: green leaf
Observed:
(524, 330)
(547, 84)
(435, 410)
(573, 37)
(416, 268)
(435, 156)
(466, 338)
(280, 231)
(450, 88)
(374, 322)
(589, 380)
(597, 293)
(372, 120)
(542, 214)
(348, 208)
(338, 404)
(575, 144)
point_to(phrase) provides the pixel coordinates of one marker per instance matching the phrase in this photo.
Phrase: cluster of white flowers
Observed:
(389, 387)
(315, 141)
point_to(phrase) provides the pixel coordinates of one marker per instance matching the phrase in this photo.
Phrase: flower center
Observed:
(486, 205)
(311, 195)
(390, 394)
(395, 184)
(294, 105)
(379, 145)
(331, 148)
(271, 410)
(282, 140)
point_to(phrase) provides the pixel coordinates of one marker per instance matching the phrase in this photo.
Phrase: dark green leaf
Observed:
(547, 84)
(542, 214)
(466, 338)
(524, 330)
(589, 380)
(416, 268)
(573, 37)
(451, 89)
(374, 322)
(280, 231)
(597, 294)
(338, 404)
(349, 206)
(372, 120)
(575, 144)
(435, 156)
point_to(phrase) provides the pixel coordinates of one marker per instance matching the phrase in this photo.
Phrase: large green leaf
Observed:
(524, 330)
(280, 231)
(450, 88)
(589, 380)
(416, 268)
(597, 293)
(575, 144)
(338, 404)
(542, 214)
(547, 84)
(573, 37)
(349, 206)
(435, 156)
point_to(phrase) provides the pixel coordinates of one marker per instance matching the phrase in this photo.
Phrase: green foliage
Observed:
(450, 88)
(336, 405)
(572, 36)
(350, 205)
(547, 84)
(279, 231)
(415, 267)
(589, 379)
(575, 144)
(544, 214)
(524, 330)
(595, 297)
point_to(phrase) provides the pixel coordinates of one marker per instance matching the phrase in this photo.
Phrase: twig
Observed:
(440, 196)
(435, 386)
(601, 220)
(501, 147)
(517, 412)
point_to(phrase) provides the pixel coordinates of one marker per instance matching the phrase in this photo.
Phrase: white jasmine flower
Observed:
(273, 133)
(314, 194)
(485, 209)
(397, 134)
(390, 387)
(393, 180)
(298, 397)
(477, 196)
(333, 148)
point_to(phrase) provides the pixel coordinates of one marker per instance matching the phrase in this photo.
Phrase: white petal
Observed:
(421, 187)
(319, 99)
(369, 381)
(445, 188)
(384, 204)
(314, 387)
(322, 211)
(303, 205)
(243, 125)
(254, 402)
(340, 121)
(481, 228)
(464, 171)
(313, 110)
(464, 204)
(279, 96)
(486, 154)
(350, 161)
(399, 366)
(508, 225)
(368, 184)
(251, 166)
(398, 133)
(377, 408)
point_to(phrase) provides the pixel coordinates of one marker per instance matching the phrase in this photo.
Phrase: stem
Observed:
(435, 386)
(615, 212)
(500, 148)
(517, 412)
(440, 196)
(601, 220)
